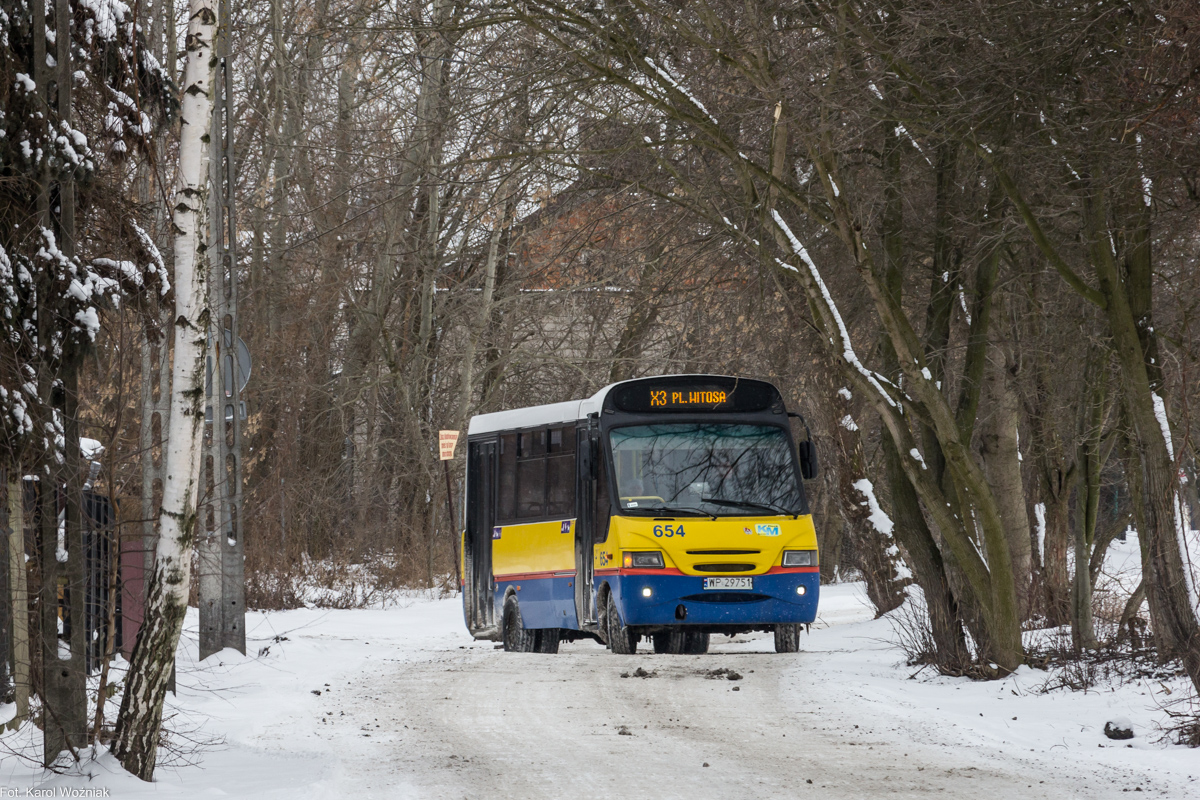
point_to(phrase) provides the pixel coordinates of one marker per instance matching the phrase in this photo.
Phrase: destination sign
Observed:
(704, 398)
(688, 393)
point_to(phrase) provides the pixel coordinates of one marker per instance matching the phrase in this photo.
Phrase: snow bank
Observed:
(315, 711)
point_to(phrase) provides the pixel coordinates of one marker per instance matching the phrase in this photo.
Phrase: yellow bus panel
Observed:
(534, 547)
(756, 540)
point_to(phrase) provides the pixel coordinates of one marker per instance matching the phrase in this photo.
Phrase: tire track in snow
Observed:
(485, 723)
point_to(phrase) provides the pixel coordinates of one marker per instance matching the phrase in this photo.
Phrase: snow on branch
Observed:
(881, 522)
(1180, 511)
(1039, 512)
(878, 517)
(666, 76)
(156, 266)
(847, 348)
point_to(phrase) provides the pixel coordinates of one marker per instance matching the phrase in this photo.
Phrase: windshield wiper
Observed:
(720, 501)
(690, 512)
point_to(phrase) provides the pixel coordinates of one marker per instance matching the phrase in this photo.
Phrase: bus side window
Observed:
(531, 475)
(506, 507)
(533, 443)
(560, 473)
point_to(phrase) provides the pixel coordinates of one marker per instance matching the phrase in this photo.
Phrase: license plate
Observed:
(729, 583)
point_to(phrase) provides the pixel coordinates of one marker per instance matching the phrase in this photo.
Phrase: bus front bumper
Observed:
(646, 598)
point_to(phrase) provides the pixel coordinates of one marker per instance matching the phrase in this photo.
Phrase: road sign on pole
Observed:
(447, 441)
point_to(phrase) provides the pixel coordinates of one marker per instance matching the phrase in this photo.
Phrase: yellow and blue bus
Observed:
(666, 508)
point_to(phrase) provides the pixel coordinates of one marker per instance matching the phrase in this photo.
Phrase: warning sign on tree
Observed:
(447, 441)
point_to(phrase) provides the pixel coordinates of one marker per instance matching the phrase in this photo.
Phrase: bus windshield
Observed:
(711, 469)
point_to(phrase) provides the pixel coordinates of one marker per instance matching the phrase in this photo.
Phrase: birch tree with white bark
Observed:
(136, 736)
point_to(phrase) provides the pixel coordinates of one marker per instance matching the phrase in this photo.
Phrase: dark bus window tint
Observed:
(533, 443)
(508, 469)
(560, 485)
(603, 505)
(556, 443)
(531, 487)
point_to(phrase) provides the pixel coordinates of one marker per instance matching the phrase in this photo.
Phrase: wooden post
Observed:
(453, 526)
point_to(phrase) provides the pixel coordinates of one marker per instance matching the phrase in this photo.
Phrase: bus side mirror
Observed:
(808, 460)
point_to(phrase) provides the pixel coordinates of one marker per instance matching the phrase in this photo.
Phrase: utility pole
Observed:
(64, 680)
(221, 546)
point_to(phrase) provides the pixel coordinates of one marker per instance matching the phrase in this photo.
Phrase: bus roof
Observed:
(553, 413)
(533, 416)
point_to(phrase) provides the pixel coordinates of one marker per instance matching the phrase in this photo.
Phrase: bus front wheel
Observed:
(621, 639)
(787, 638)
(695, 644)
(517, 638)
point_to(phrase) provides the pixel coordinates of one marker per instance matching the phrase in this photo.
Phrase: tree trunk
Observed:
(1056, 578)
(911, 529)
(1087, 502)
(1160, 515)
(952, 655)
(135, 740)
(830, 530)
(21, 664)
(1001, 458)
(1083, 629)
(876, 555)
(1126, 625)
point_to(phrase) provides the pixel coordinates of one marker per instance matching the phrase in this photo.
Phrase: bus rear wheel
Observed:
(695, 644)
(517, 638)
(669, 642)
(787, 638)
(621, 639)
(546, 640)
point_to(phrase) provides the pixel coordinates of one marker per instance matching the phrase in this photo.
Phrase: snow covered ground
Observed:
(403, 703)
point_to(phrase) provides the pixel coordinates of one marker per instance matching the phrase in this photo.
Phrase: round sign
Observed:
(243, 364)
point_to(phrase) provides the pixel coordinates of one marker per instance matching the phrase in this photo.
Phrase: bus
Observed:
(668, 508)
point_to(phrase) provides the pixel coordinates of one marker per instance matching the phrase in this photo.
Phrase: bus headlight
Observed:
(651, 559)
(799, 558)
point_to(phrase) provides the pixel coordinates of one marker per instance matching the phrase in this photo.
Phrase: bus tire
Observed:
(668, 642)
(621, 639)
(546, 641)
(787, 638)
(517, 638)
(695, 644)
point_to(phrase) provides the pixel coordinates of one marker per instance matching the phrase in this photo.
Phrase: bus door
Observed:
(481, 517)
(588, 449)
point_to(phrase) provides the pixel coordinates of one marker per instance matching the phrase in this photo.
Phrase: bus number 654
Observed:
(668, 530)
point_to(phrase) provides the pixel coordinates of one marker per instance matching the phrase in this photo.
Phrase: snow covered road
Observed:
(484, 723)
(401, 703)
